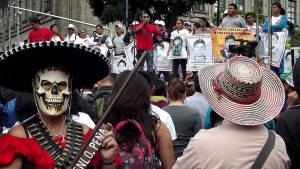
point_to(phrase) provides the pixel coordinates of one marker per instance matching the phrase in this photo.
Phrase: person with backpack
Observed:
(95, 103)
(143, 139)
(99, 38)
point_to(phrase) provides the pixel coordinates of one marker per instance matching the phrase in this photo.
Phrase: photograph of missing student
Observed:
(119, 64)
(130, 52)
(223, 37)
(161, 61)
(178, 50)
(200, 51)
(278, 46)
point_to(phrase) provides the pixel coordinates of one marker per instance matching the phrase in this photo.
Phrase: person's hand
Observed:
(109, 145)
(188, 79)
(293, 99)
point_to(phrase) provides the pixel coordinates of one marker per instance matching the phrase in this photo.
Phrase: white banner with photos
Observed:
(119, 64)
(199, 50)
(278, 46)
(130, 52)
(161, 61)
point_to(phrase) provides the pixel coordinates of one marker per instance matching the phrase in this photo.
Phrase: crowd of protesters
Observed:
(236, 114)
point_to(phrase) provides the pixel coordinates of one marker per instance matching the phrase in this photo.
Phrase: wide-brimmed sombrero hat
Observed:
(19, 65)
(242, 91)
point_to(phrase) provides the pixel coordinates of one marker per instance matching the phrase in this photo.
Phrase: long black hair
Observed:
(282, 11)
(133, 104)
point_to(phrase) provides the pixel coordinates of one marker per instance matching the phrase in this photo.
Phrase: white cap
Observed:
(119, 25)
(156, 22)
(161, 23)
(134, 23)
(289, 80)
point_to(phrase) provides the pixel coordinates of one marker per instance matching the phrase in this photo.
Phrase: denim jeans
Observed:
(149, 60)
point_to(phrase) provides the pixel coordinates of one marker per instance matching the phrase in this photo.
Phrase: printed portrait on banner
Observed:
(278, 46)
(161, 61)
(178, 50)
(130, 52)
(200, 51)
(222, 38)
(119, 64)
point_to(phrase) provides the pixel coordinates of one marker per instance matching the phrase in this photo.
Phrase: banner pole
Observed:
(79, 161)
(269, 34)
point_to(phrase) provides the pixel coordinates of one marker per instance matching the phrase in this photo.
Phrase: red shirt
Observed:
(11, 146)
(144, 36)
(38, 35)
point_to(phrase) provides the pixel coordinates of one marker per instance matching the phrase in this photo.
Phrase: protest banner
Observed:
(161, 61)
(223, 37)
(278, 46)
(200, 51)
(130, 52)
(119, 64)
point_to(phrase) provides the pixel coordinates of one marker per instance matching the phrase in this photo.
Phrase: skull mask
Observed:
(52, 88)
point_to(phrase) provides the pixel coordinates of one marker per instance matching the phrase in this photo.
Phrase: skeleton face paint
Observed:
(52, 87)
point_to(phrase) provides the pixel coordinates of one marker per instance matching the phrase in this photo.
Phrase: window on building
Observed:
(221, 5)
(199, 8)
(240, 4)
(48, 5)
(292, 11)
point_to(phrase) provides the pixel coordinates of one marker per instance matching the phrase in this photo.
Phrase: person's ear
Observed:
(152, 90)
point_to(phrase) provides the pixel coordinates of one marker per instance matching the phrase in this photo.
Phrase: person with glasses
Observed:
(144, 41)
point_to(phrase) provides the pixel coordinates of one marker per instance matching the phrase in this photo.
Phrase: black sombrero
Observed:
(19, 65)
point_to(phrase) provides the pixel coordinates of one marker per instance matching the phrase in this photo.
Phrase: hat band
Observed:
(249, 100)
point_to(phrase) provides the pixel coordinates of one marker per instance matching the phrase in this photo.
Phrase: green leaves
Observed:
(114, 10)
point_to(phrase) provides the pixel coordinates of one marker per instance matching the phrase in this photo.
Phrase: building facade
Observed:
(210, 11)
(11, 35)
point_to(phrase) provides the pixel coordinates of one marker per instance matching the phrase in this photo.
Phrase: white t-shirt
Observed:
(84, 118)
(179, 44)
(84, 42)
(71, 38)
(119, 44)
(165, 118)
(276, 20)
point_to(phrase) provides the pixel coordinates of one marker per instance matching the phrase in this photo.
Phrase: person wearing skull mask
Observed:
(50, 138)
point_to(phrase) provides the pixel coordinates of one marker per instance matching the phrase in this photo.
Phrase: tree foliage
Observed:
(114, 10)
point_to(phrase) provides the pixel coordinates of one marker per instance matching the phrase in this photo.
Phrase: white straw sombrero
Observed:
(242, 91)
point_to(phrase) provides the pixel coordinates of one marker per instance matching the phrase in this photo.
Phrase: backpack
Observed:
(142, 155)
(89, 106)
(96, 104)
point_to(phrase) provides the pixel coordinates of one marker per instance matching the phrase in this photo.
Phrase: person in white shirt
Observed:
(71, 37)
(177, 48)
(55, 35)
(166, 118)
(83, 38)
(118, 43)
(99, 38)
(251, 25)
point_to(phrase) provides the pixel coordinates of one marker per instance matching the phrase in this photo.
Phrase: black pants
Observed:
(176, 63)
(166, 75)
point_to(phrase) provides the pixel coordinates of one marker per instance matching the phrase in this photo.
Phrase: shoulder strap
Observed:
(136, 124)
(266, 150)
